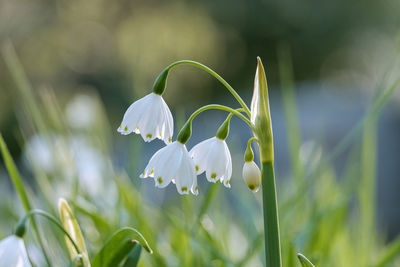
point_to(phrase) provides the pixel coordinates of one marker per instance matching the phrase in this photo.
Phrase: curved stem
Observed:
(250, 140)
(220, 107)
(217, 76)
(53, 220)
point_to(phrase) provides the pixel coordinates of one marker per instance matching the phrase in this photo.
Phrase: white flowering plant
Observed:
(151, 118)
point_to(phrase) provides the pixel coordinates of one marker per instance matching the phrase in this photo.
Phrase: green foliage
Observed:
(119, 248)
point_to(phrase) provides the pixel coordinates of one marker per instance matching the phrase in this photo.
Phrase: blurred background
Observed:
(70, 69)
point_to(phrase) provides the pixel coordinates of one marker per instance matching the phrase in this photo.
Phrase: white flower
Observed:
(173, 163)
(252, 175)
(150, 117)
(13, 252)
(213, 157)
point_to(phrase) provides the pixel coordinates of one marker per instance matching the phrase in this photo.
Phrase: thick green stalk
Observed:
(271, 220)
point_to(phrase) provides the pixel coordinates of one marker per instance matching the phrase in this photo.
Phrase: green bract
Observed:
(260, 114)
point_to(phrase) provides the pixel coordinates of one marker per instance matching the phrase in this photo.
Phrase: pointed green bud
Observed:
(72, 227)
(260, 115)
(161, 82)
(185, 133)
(223, 130)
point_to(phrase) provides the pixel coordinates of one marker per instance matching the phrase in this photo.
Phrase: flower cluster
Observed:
(151, 118)
(174, 163)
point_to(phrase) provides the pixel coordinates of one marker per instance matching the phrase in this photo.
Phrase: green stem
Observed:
(217, 76)
(53, 220)
(186, 131)
(220, 107)
(271, 220)
(251, 140)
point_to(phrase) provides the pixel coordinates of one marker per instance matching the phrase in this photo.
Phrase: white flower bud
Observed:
(252, 175)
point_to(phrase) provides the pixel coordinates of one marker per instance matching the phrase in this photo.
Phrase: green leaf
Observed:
(133, 257)
(118, 247)
(14, 175)
(304, 261)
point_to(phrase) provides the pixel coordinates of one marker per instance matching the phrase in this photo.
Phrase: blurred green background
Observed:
(328, 64)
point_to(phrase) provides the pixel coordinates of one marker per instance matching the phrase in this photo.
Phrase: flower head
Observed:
(213, 157)
(252, 175)
(173, 163)
(150, 117)
(13, 252)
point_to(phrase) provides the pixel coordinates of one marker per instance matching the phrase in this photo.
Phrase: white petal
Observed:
(216, 161)
(186, 176)
(194, 189)
(149, 170)
(151, 120)
(199, 154)
(13, 252)
(168, 125)
(133, 115)
(225, 179)
(167, 167)
(150, 117)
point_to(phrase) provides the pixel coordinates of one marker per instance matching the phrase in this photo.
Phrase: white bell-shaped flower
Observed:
(13, 252)
(213, 157)
(150, 117)
(252, 175)
(173, 163)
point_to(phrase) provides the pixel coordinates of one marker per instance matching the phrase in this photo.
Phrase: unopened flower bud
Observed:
(260, 115)
(252, 175)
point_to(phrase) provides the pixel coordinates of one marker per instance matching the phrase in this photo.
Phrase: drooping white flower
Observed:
(252, 175)
(150, 117)
(173, 163)
(213, 157)
(13, 252)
